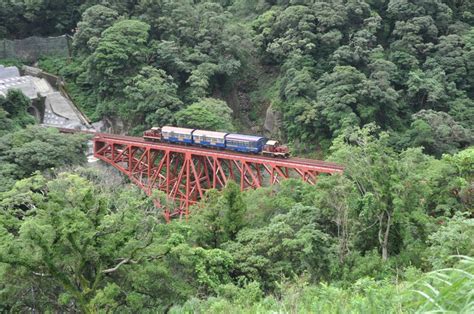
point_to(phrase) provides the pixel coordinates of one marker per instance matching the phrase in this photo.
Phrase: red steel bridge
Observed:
(184, 173)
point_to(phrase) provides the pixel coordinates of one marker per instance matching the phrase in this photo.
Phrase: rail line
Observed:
(184, 173)
(225, 153)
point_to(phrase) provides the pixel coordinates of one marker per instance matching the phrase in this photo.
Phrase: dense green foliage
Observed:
(384, 87)
(142, 70)
(350, 63)
(37, 148)
(26, 148)
(324, 65)
(443, 291)
(87, 242)
(13, 112)
(206, 114)
(78, 243)
(23, 18)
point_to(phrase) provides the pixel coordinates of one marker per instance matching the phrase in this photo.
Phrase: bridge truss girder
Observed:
(185, 174)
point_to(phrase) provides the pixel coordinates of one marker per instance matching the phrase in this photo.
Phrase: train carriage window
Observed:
(242, 143)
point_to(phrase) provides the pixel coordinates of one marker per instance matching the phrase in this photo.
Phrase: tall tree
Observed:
(438, 133)
(152, 97)
(390, 192)
(222, 218)
(95, 20)
(121, 53)
(207, 114)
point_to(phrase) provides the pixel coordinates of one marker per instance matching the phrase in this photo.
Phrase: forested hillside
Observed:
(322, 66)
(384, 87)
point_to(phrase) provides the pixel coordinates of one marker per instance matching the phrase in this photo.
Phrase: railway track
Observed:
(312, 163)
(225, 153)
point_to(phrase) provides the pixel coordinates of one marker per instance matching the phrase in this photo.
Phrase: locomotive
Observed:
(218, 140)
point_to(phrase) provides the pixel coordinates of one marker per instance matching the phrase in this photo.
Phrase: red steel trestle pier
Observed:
(184, 173)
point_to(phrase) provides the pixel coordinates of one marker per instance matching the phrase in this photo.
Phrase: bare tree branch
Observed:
(124, 261)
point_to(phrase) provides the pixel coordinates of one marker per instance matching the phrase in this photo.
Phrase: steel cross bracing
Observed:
(184, 173)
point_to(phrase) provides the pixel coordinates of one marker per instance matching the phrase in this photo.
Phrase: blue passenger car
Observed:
(209, 138)
(245, 143)
(173, 134)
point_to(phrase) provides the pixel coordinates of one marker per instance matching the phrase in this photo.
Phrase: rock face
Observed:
(112, 124)
(244, 101)
(272, 122)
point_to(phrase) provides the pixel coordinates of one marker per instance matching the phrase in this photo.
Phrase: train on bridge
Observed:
(219, 140)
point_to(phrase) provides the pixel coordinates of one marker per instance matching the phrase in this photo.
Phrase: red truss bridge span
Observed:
(184, 173)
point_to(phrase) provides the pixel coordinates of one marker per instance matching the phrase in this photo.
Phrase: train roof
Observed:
(209, 133)
(242, 137)
(167, 129)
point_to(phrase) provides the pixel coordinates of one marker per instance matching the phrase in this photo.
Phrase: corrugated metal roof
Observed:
(243, 137)
(23, 83)
(167, 129)
(209, 133)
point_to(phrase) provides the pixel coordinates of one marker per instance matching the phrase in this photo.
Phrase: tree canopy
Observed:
(207, 114)
(385, 88)
(13, 111)
(37, 148)
(323, 66)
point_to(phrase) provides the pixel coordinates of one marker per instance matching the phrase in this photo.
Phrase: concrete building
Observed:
(48, 105)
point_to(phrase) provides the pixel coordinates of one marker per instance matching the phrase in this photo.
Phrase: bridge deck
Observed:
(307, 164)
(184, 173)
